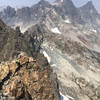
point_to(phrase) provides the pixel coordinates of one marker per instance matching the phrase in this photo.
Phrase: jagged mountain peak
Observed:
(89, 6)
(9, 8)
(65, 2)
(62, 0)
(90, 3)
(43, 3)
(9, 11)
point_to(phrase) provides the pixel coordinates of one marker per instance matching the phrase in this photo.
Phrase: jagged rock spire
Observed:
(89, 7)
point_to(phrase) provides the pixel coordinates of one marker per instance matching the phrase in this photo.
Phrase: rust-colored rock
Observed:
(24, 60)
(4, 71)
(13, 67)
(31, 82)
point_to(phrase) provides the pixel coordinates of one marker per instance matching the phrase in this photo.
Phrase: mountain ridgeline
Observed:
(38, 13)
(13, 42)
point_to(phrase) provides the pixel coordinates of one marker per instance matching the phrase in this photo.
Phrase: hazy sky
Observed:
(20, 3)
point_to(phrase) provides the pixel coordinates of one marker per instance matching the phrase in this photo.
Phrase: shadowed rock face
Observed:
(90, 15)
(90, 8)
(9, 12)
(28, 81)
(13, 42)
(67, 8)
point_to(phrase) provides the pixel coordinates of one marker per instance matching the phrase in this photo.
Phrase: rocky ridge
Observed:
(37, 14)
(13, 42)
(27, 81)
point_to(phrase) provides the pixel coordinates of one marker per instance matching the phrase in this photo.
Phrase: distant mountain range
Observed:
(61, 10)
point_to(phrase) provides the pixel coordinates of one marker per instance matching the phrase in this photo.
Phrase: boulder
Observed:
(30, 81)
(24, 60)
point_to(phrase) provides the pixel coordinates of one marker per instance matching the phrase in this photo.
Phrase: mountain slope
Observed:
(77, 67)
(25, 69)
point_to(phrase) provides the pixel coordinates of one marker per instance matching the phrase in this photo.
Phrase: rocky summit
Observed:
(27, 81)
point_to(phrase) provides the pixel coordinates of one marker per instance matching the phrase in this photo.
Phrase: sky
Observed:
(21, 3)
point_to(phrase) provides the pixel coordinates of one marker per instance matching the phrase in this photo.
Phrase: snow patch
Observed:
(94, 30)
(53, 65)
(56, 30)
(46, 55)
(67, 21)
(63, 97)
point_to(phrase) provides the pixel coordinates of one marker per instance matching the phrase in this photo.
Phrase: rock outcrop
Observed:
(13, 42)
(27, 81)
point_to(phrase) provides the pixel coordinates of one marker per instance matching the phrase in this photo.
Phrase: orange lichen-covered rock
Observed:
(32, 81)
(13, 67)
(24, 60)
(4, 71)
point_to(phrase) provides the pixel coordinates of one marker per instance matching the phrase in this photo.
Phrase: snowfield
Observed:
(67, 21)
(46, 55)
(63, 97)
(56, 30)
(94, 30)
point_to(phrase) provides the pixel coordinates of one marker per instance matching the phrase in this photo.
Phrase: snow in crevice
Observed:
(94, 30)
(56, 30)
(67, 21)
(47, 56)
(53, 65)
(63, 97)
